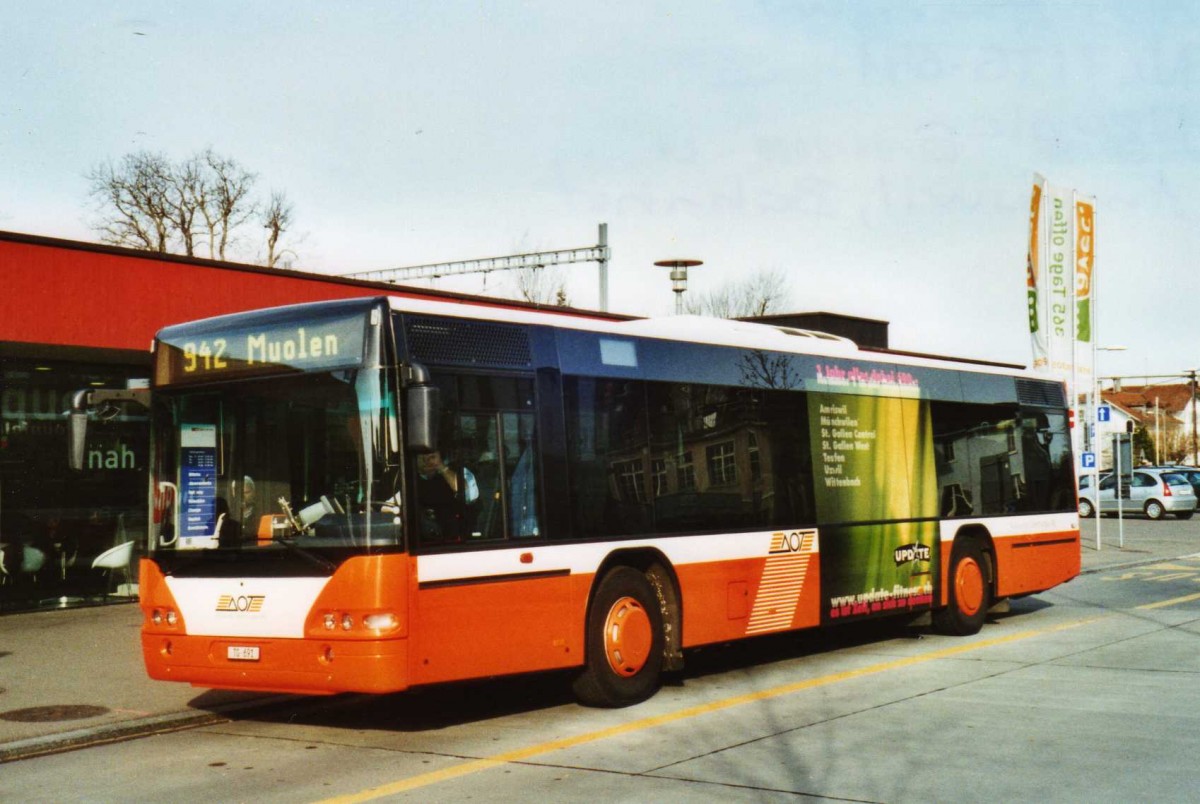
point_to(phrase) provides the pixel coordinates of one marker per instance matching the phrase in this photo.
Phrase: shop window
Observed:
(55, 522)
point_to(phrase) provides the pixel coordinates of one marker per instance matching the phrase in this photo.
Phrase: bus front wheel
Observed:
(970, 595)
(624, 642)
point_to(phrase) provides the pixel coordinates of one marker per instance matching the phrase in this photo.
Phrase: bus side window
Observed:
(489, 435)
(481, 453)
(521, 455)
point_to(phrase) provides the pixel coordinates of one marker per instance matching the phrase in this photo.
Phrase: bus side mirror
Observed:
(107, 403)
(423, 413)
(77, 423)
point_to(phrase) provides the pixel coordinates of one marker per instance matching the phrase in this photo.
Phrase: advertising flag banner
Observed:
(1085, 258)
(1058, 281)
(1033, 262)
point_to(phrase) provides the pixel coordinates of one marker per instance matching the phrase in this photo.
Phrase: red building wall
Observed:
(66, 293)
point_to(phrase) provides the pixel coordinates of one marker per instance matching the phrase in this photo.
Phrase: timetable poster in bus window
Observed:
(873, 464)
(198, 486)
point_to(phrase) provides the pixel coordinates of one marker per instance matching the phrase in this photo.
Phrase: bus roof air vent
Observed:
(702, 329)
(463, 342)
(1040, 393)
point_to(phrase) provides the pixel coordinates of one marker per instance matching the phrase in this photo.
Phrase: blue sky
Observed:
(879, 153)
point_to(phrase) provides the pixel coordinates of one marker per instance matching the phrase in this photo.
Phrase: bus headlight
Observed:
(381, 621)
(357, 624)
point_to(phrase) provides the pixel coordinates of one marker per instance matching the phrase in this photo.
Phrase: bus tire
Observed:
(624, 642)
(970, 594)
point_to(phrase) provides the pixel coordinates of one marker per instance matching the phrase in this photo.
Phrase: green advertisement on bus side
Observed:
(874, 474)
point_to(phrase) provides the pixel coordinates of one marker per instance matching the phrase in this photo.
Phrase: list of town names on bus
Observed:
(841, 438)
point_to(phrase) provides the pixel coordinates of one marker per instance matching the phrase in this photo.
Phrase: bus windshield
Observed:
(273, 463)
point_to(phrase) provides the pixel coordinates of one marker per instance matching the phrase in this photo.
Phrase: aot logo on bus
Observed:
(247, 603)
(797, 541)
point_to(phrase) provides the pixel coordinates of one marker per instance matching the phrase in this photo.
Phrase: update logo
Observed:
(912, 552)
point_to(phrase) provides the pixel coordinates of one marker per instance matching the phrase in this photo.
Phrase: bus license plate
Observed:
(243, 653)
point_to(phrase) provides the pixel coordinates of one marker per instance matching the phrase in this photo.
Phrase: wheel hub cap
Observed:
(627, 637)
(968, 586)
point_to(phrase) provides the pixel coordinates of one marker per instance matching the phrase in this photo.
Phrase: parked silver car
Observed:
(1154, 492)
(1190, 473)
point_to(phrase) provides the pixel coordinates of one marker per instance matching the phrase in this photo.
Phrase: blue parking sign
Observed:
(1088, 460)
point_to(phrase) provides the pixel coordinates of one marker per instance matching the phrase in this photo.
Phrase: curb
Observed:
(108, 733)
(1141, 562)
(62, 742)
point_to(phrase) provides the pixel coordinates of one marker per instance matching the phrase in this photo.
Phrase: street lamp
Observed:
(679, 277)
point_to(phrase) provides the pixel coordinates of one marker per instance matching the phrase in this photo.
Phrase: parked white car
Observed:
(1153, 492)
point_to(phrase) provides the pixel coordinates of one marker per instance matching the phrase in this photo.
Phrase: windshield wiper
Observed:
(307, 555)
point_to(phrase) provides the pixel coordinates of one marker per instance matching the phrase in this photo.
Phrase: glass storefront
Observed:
(68, 537)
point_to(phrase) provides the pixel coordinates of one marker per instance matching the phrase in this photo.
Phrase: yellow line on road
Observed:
(521, 754)
(1172, 602)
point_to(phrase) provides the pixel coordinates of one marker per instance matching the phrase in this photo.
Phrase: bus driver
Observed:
(443, 497)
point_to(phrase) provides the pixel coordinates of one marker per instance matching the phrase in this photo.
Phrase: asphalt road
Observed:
(1088, 692)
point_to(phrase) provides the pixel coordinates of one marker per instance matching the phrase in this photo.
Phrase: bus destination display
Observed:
(259, 347)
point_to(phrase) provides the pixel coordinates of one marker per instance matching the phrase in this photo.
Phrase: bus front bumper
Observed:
(298, 666)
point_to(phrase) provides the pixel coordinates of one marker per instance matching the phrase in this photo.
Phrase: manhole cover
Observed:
(50, 714)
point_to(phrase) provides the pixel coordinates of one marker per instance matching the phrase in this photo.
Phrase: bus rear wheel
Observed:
(624, 642)
(970, 594)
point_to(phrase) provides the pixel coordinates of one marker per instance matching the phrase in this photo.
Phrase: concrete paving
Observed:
(74, 677)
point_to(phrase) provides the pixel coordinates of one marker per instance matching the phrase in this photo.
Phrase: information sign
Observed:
(198, 486)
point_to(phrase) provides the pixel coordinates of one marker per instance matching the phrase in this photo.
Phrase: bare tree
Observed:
(276, 219)
(185, 197)
(146, 202)
(227, 206)
(761, 369)
(542, 285)
(756, 295)
(134, 193)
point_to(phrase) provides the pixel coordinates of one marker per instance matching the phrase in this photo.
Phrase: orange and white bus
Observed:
(377, 494)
